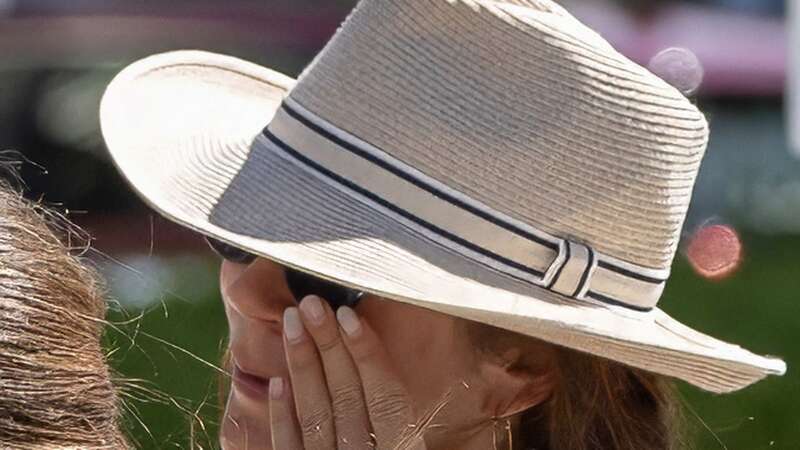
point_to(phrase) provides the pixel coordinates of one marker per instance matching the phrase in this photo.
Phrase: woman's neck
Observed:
(498, 435)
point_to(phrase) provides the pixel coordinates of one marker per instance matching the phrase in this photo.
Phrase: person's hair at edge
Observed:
(55, 386)
(596, 404)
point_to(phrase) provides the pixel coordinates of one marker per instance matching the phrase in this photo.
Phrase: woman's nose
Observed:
(257, 291)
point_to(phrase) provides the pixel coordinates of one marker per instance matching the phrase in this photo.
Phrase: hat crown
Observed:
(520, 107)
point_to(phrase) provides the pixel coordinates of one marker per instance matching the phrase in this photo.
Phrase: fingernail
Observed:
(275, 388)
(313, 309)
(349, 321)
(292, 326)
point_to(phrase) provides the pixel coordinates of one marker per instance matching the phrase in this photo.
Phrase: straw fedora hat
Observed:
(492, 160)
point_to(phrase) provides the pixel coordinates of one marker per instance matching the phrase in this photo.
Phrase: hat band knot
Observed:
(573, 270)
(454, 220)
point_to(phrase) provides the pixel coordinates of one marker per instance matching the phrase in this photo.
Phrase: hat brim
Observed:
(185, 130)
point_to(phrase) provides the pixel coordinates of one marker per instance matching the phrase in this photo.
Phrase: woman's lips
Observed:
(252, 384)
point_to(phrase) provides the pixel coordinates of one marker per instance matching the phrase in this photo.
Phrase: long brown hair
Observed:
(596, 404)
(55, 385)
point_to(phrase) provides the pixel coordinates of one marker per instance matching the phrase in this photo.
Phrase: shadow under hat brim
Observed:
(185, 128)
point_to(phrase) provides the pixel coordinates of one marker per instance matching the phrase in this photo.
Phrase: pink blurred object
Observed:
(715, 252)
(741, 54)
(794, 75)
(680, 68)
(97, 32)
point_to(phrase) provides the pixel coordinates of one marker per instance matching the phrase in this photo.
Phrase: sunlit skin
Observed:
(409, 360)
(715, 252)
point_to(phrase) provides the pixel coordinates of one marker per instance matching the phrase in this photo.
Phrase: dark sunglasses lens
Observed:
(230, 252)
(302, 285)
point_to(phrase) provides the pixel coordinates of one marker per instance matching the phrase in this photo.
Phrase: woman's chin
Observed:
(246, 423)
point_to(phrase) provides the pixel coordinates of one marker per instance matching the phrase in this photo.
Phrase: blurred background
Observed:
(59, 55)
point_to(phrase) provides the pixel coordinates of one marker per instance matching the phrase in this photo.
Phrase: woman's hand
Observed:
(343, 392)
(331, 384)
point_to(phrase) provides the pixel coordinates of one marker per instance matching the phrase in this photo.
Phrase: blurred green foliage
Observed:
(166, 361)
(757, 308)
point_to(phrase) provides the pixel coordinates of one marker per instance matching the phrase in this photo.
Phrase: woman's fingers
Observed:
(282, 418)
(344, 385)
(387, 400)
(310, 392)
(346, 393)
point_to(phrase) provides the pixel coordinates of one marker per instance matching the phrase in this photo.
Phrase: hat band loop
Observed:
(455, 220)
(574, 275)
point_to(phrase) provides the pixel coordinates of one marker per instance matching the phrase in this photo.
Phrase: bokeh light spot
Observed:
(680, 68)
(715, 252)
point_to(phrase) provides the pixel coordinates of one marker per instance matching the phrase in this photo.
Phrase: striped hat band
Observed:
(456, 221)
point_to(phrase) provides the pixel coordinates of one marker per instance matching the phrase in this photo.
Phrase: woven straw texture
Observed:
(529, 111)
(517, 106)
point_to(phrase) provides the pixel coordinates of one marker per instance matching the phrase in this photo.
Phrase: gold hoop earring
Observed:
(506, 429)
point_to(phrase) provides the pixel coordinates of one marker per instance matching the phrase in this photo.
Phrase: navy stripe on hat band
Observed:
(610, 301)
(560, 268)
(585, 276)
(417, 182)
(629, 273)
(297, 156)
(444, 195)
(308, 162)
(378, 177)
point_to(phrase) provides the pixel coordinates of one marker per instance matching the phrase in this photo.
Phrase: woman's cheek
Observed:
(237, 330)
(257, 347)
